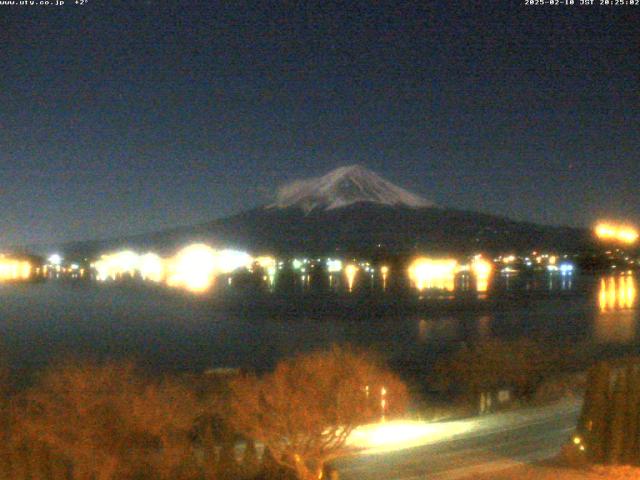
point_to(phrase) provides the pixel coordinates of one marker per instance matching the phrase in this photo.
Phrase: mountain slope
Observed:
(342, 187)
(371, 227)
(353, 210)
(362, 228)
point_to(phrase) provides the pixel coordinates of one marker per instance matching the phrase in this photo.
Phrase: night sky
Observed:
(124, 117)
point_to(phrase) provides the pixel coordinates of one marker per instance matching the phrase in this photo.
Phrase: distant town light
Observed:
(193, 268)
(152, 267)
(566, 268)
(227, 261)
(384, 270)
(427, 273)
(334, 266)
(608, 231)
(350, 272)
(14, 269)
(55, 259)
(114, 265)
(482, 270)
(266, 262)
(509, 259)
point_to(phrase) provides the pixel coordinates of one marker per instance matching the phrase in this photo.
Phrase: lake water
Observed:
(166, 330)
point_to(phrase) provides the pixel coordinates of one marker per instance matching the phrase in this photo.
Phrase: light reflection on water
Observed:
(40, 322)
(616, 321)
(484, 327)
(438, 331)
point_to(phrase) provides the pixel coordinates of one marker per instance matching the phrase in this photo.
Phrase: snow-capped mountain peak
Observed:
(345, 186)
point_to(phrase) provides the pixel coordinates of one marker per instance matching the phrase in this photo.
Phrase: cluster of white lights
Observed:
(428, 273)
(193, 268)
(196, 267)
(334, 266)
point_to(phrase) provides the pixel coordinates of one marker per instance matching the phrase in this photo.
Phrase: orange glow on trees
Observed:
(305, 410)
(493, 363)
(106, 421)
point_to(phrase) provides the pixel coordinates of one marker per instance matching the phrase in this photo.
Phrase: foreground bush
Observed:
(84, 421)
(106, 422)
(609, 424)
(493, 364)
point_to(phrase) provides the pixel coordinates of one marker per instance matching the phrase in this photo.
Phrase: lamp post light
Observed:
(383, 402)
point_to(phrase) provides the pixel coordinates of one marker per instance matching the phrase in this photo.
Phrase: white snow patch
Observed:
(345, 186)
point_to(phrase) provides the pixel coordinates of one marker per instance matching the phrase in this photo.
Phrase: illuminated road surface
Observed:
(462, 448)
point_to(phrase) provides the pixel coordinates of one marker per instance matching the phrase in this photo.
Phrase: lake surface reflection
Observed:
(616, 321)
(166, 330)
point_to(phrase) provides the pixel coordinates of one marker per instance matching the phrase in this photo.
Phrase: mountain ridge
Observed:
(357, 228)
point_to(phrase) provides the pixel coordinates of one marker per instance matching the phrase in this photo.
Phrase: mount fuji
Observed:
(353, 210)
(342, 187)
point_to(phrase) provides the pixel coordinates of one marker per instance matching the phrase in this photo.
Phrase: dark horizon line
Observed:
(133, 236)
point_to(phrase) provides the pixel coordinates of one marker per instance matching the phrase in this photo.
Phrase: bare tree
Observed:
(165, 413)
(108, 421)
(486, 366)
(306, 409)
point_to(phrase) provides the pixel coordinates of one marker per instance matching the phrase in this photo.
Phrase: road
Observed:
(462, 448)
